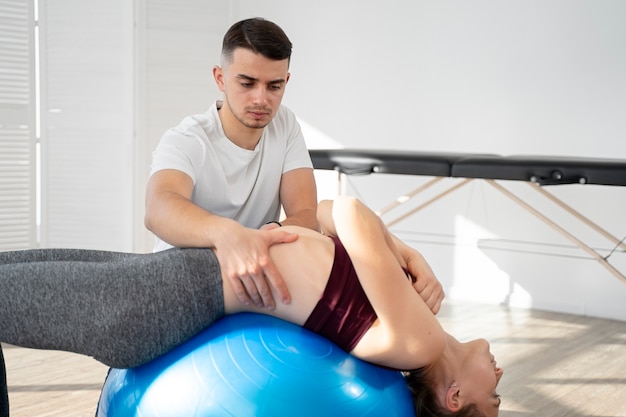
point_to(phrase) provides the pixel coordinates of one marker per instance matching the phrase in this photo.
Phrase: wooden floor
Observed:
(555, 365)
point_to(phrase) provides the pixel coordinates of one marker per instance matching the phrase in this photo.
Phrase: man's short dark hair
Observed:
(259, 36)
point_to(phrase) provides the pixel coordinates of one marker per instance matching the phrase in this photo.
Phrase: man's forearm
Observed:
(181, 223)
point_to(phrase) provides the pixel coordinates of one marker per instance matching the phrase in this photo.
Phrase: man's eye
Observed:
(246, 85)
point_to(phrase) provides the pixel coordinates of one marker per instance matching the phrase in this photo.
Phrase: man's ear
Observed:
(453, 398)
(218, 75)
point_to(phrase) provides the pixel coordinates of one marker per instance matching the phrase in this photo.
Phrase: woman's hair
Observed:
(259, 36)
(425, 404)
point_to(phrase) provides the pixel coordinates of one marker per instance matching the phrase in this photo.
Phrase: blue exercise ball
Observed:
(252, 365)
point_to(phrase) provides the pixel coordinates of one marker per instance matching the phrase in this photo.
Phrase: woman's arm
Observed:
(325, 218)
(408, 335)
(424, 280)
(426, 283)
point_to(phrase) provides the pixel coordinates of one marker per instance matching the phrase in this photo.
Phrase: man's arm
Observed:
(242, 253)
(171, 215)
(298, 196)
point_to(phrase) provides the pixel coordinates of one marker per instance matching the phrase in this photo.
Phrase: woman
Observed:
(348, 284)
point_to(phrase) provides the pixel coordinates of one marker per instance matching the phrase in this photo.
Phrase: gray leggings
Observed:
(122, 309)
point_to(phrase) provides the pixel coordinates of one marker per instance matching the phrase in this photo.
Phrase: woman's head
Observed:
(462, 382)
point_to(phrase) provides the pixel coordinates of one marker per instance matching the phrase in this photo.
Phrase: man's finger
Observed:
(263, 291)
(250, 287)
(240, 290)
(280, 237)
(277, 282)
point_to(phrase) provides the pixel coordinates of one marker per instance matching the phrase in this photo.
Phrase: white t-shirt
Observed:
(228, 180)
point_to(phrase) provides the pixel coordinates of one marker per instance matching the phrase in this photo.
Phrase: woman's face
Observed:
(479, 376)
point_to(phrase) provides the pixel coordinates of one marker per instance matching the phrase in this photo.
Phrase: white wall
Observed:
(507, 77)
(542, 77)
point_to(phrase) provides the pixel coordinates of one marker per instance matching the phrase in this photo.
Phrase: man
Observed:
(220, 173)
(219, 178)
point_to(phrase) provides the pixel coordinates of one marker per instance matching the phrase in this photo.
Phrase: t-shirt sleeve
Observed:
(297, 155)
(178, 151)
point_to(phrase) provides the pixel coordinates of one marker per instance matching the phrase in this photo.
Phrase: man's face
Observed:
(253, 86)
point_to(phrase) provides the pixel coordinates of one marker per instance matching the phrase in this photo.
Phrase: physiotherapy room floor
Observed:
(555, 365)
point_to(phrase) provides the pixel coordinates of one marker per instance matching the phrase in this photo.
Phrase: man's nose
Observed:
(260, 95)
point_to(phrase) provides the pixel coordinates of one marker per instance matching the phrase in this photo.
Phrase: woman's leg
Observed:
(49, 255)
(121, 309)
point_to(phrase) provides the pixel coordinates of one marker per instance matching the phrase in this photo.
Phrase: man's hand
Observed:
(270, 226)
(426, 283)
(245, 262)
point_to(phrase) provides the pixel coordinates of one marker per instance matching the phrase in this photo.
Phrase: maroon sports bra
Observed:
(344, 313)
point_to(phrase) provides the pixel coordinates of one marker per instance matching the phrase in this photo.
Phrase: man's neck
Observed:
(236, 132)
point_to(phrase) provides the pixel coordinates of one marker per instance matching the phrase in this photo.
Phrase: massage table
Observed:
(537, 171)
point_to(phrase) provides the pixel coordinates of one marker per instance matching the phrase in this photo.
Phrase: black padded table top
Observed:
(545, 170)
(361, 162)
(542, 170)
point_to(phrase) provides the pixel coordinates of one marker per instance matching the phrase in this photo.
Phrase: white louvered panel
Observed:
(17, 149)
(87, 124)
(14, 53)
(17, 202)
(88, 198)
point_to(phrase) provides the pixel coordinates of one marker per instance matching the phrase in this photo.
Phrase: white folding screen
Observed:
(17, 126)
(178, 43)
(87, 139)
(113, 76)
